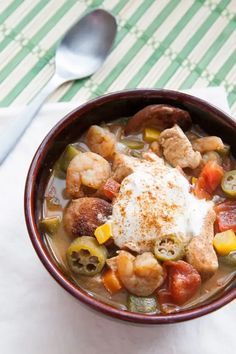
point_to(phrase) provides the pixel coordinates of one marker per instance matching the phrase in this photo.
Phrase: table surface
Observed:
(175, 44)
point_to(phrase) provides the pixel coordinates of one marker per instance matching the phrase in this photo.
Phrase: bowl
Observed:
(107, 108)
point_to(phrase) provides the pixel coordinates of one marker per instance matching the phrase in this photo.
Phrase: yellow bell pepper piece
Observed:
(103, 233)
(194, 180)
(225, 242)
(151, 134)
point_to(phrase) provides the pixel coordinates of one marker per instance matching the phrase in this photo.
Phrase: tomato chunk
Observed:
(209, 179)
(183, 281)
(164, 296)
(111, 188)
(213, 173)
(226, 216)
(200, 189)
(225, 206)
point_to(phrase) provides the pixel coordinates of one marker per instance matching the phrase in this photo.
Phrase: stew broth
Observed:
(56, 200)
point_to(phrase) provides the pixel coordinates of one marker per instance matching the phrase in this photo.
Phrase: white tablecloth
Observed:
(37, 316)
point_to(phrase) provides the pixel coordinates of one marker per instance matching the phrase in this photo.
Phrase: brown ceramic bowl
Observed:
(108, 108)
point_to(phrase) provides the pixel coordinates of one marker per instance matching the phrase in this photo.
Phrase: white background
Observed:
(38, 317)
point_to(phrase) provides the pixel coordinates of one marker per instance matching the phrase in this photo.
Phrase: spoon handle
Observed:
(11, 135)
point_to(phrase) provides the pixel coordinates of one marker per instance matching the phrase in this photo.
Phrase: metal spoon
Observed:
(80, 53)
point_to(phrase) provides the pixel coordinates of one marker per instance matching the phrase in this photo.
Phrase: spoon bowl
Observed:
(86, 45)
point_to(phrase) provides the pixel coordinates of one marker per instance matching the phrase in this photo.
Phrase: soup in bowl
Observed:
(130, 204)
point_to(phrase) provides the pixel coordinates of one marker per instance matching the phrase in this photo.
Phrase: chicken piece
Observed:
(150, 156)
(84, 215)
(200, 252)
(112, 263)
(101, 141)
(177, 149)
(123, 166)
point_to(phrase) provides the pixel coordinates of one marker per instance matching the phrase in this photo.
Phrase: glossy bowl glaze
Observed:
(108, 108)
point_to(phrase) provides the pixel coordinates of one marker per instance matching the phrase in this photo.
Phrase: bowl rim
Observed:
(38, 244)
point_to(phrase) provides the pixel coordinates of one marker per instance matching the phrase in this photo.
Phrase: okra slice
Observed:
(229, 260)
(142, 304)
(133, 144)
(168, 248)
(228, 183)
(224, 152)
(51, 224)
(69, 153)
(85, 256)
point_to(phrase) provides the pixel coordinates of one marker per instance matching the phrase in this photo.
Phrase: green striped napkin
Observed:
(176, 44)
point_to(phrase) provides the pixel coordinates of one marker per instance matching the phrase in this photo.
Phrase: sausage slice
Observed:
(158, 116)
(84, 215)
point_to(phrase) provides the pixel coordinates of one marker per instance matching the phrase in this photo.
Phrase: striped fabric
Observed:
(175, 44)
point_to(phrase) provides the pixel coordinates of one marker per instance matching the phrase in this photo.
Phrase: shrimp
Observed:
(86, 169)
(141, 275)
(207, 143)
(101, 141)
